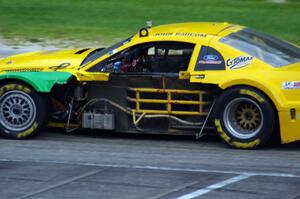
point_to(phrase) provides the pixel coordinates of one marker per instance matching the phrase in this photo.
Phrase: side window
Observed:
(155, 57)
(209, 59)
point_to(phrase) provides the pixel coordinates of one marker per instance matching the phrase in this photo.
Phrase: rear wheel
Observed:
(244, 117)
(22, 111)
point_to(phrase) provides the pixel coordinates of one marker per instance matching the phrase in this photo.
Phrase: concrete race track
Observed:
(105, 165)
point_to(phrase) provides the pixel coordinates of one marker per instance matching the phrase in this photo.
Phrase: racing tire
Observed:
(23, 112)
(244, 118)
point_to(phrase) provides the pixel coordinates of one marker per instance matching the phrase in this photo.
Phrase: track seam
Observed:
(61, 184)
(267, 174)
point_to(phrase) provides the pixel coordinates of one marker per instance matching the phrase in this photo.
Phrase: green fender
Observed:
(40, 81)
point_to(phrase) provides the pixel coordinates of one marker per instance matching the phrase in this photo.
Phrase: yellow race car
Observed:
(182, 78)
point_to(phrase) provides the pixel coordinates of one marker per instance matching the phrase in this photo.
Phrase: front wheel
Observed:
(244, 117)
(22, 111)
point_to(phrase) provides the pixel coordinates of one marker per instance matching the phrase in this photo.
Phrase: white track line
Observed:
(286, 175)
(213, 187)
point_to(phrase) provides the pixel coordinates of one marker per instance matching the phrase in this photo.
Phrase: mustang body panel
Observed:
(44, 60)
(40, 81)
(43, 69)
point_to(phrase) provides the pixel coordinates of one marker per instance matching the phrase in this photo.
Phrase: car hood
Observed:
(44, 60)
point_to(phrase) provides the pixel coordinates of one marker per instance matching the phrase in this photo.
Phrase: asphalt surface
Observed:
(108, 165)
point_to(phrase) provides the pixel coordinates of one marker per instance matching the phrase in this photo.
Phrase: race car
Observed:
(180, 79)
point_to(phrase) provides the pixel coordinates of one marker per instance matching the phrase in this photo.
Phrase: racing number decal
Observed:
(209, 59)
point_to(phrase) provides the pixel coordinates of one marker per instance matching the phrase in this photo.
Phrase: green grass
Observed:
(106, 21)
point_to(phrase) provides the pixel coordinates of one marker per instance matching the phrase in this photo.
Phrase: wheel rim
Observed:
(243, 118)
(17, 111)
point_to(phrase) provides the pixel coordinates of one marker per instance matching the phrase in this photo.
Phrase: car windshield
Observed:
(102, 51)
(264, 47)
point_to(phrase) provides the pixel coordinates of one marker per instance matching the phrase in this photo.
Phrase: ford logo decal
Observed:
(210, 57)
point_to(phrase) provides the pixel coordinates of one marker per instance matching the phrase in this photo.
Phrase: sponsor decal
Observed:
(210, 59)
(190, 34)
(239, 62)
(163, 34)
(252, 94)
(24, 70)
(61, 66)
(28, 131)
(200, 76)
(184, 34)
(291, 85)
(9, 87)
